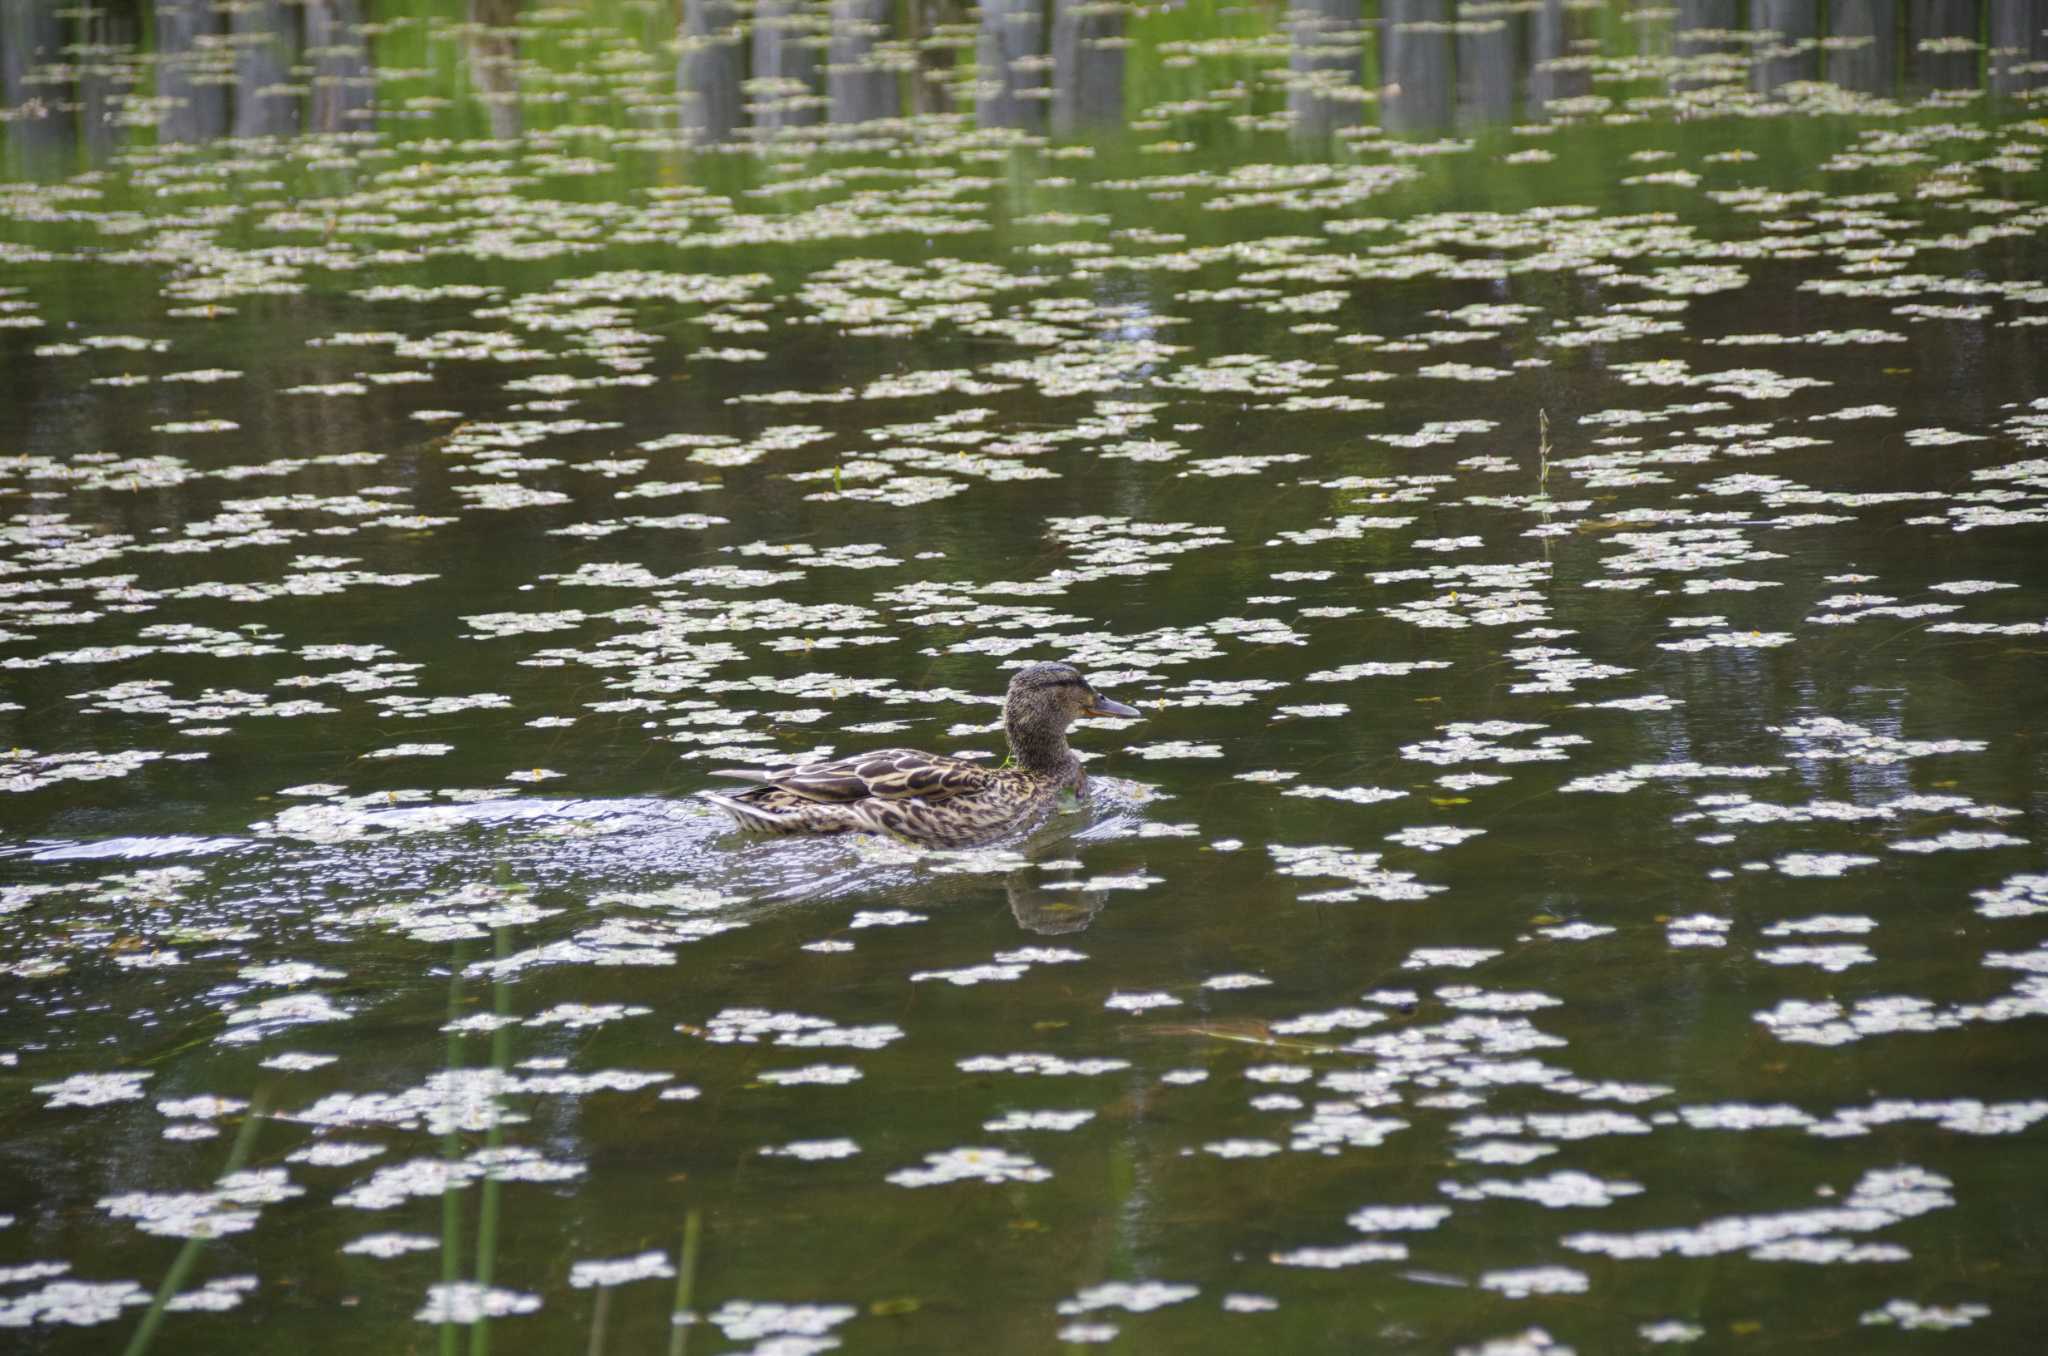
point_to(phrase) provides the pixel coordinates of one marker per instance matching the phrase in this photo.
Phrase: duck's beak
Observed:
(1103, 706)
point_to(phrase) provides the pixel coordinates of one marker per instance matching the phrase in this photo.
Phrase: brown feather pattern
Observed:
(929, 798)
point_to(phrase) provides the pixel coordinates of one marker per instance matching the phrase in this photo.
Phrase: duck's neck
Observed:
(1039, 749)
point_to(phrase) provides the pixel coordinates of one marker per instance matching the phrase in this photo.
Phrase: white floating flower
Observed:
(1140, 1002)
(95, 1089)
(965, 1165)
(812, 1150)
(467, 1302)
(650, 1265)
(1535, 1281)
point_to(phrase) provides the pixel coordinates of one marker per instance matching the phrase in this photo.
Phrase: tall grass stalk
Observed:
(599, 1316)
(181, 1265)
(686, 1285)
(494, 1137)
(451, 1152)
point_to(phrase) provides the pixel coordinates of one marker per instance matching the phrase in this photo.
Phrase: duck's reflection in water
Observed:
(1049, 911)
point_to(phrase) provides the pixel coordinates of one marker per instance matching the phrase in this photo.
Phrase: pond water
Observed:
(1575, 525)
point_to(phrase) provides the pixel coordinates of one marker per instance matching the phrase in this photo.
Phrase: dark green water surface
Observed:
(1579, 883)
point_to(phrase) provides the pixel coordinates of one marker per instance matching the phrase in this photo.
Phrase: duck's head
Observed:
(1053, 696)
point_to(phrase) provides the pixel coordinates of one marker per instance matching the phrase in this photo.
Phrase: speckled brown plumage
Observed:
(928, 798)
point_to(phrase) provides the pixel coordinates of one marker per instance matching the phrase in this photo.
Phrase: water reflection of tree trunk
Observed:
(1699, 33)
(858, 88)
(492, 45)
(344, 85)
(266, 40)
(784, 89)
(101, 80)
(1550, 34)
(1717, 14)
(1871, 65)
(2019, 38)
(1417, 56)
(1088, 64)
(1012, 32)
(30, 34)
(1324, 57)
(931, 88)
(1933, 21)
(708, 70)
(196, 108)
(1794, 53)
(1487, 59)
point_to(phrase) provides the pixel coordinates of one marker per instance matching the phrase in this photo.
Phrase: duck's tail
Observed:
(747, 818)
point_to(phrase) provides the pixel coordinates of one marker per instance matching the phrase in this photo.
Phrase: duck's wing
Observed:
(886, 774)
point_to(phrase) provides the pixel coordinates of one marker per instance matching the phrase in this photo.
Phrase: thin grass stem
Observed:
(181, 1265)
(487, 1211)
(451, 1150)
(686, 1285)
(600, 1315)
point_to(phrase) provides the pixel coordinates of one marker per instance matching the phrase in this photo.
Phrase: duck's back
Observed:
(884, 774)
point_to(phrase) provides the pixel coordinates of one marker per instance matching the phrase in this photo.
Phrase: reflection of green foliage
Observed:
(1147, 81)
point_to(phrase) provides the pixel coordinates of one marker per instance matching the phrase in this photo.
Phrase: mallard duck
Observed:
(928, 798)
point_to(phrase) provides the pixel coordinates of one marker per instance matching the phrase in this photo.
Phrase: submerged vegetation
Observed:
(1566, 484)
